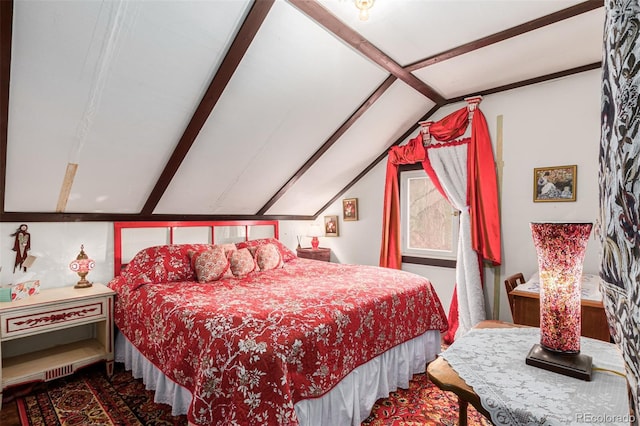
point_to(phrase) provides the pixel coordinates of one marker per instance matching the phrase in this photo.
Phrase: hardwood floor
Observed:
(9, 414)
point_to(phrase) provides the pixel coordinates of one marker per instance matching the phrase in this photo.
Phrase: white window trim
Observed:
(404, 223)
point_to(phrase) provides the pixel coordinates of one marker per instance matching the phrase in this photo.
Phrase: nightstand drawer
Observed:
(57, 316)
(321, 253)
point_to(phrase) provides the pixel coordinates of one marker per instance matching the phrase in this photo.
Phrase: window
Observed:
(429, 223)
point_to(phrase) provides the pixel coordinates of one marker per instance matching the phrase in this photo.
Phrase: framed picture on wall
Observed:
(557, 183)
(350, 209)
(331, 226)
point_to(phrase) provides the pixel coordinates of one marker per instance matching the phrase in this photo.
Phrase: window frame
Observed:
(422, 257)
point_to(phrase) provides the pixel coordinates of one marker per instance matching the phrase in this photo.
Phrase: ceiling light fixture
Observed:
(364, 6)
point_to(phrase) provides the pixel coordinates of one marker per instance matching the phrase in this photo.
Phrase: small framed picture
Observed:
(331, 226)
(557, 183)
(350, 209)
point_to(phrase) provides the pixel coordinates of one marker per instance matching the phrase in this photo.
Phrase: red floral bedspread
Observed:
(249, 349)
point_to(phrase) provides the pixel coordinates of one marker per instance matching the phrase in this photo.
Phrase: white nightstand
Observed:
(55, 332)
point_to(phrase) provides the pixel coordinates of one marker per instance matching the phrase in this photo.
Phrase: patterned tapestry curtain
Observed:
(619, 178)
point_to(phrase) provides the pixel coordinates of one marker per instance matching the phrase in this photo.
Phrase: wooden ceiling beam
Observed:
(535, 24)
(242, 41)
(133, 217)
(332, 139)
(529, 81)
(323, 17)
(6, 30)
(377, 160)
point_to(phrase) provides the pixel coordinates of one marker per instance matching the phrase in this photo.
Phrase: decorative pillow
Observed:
(241, 262)
(161, 264)
(285, 252)
(268, 257)
(210, 265)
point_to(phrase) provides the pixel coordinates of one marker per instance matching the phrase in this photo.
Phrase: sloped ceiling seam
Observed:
(107, 52)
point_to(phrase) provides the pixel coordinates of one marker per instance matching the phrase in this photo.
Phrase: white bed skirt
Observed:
(348, 403)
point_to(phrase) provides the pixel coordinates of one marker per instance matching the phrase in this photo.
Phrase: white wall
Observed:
(553, 123)
(55, 245)
(548, 124)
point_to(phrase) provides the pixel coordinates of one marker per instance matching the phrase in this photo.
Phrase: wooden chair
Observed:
(510, 283)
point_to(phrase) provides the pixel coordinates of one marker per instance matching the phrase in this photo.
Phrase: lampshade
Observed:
(315, 231)
(560, 248)
(82, 265)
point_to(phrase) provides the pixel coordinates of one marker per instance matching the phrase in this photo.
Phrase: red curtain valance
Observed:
(482, 190)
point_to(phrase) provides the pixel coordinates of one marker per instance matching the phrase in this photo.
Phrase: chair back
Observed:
(510, 283)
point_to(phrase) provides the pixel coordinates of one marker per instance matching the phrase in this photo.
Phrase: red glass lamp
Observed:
(314, 232)
(82, 265)
(560, 248)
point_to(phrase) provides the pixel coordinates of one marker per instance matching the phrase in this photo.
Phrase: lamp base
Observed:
(83, 284)
(573, 365)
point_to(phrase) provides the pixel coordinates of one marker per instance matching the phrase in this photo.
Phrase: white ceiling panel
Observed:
(398, 109)
(110, 83)
(553, 48)
(43, 95)
(411, 30)
(295, 86)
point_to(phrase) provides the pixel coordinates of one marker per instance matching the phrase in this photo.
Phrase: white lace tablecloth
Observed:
(492, 362)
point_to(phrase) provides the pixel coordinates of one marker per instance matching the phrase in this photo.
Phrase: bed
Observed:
(269, 338)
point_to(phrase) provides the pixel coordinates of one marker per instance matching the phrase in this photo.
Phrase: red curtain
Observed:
(482, 192)
(390, 253)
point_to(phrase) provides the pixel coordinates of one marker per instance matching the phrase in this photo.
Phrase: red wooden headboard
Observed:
(118, 227)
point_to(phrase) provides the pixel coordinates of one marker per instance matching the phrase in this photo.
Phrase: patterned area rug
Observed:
(422, 404)
(89, 398)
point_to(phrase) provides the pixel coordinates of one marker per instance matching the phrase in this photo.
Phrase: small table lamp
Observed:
(561, 249)
(82, 265)
(314, 232)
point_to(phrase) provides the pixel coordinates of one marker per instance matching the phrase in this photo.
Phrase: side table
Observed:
(321, 253)
(55, 312)
(486, 368)
(446, 379)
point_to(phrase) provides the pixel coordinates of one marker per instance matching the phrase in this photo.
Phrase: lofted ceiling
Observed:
(141, 109)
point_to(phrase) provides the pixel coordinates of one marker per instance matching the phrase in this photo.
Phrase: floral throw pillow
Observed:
(210, 265)
(242, 262)
(268, 257)
(285, 252)
(228, 248)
